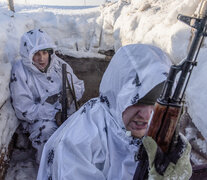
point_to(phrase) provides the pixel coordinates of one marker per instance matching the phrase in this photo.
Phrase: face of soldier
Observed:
(136, 118)
(41, 59)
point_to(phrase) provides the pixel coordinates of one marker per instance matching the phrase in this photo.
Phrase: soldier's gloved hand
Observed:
(174, 165)
(58, 118)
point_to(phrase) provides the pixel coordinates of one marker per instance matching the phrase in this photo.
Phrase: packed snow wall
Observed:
(8, 120)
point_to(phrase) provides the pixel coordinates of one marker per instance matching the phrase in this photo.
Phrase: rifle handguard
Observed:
(163, 124)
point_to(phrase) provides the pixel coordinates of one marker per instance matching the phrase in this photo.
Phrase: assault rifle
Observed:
(68, 96)
(168, 106)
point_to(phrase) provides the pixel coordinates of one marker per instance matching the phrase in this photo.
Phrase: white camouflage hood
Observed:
(31, 42)
(132, 73)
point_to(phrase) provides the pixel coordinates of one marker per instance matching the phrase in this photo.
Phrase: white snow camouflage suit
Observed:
(30, 88)
(93, 143)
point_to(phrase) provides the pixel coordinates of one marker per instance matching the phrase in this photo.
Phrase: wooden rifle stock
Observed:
(163, 124)
(162, 128)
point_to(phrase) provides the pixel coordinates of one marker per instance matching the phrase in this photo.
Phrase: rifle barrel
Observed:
(64, 95)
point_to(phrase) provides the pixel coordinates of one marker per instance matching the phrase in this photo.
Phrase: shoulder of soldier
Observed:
(18, 69)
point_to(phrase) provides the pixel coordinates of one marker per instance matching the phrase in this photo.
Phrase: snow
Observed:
(62, 2)
(84, 31)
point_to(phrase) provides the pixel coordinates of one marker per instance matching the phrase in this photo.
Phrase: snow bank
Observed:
(155, 22)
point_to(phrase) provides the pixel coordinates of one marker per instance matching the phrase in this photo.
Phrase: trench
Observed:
(22, 163)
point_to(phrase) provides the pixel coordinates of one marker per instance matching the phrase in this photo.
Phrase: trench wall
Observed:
(90, 70)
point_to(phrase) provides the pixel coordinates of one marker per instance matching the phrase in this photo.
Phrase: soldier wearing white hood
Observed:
(36, 85)
(100, 141)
